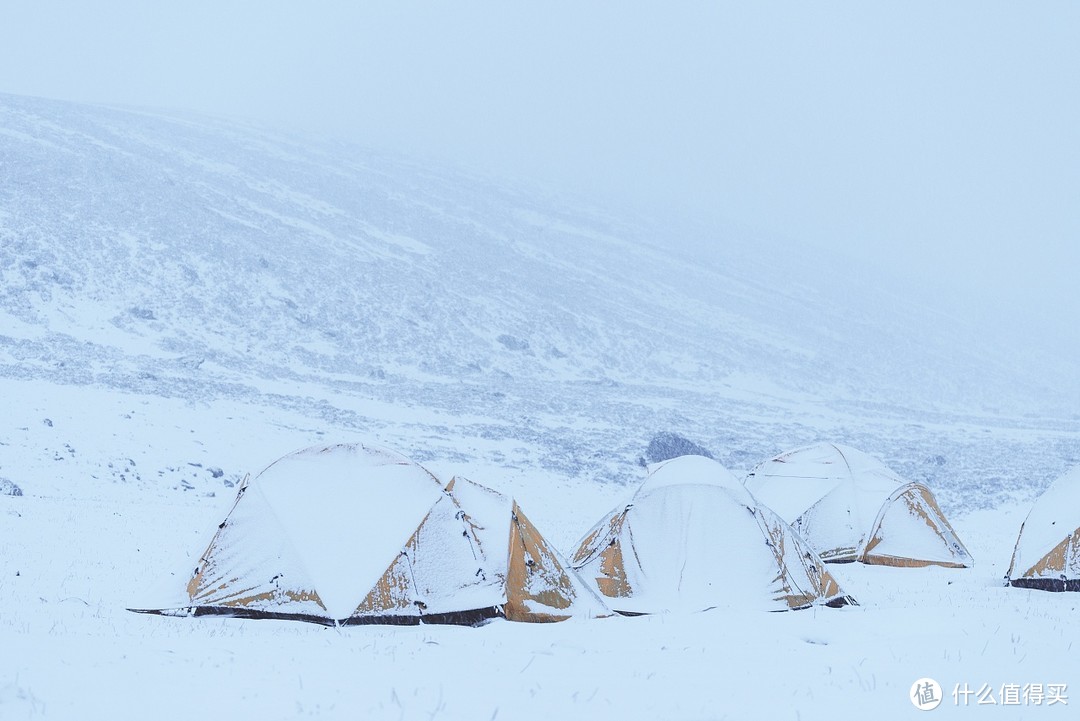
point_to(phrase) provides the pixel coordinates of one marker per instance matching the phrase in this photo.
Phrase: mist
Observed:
(936, 141)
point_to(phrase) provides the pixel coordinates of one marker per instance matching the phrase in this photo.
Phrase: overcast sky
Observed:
(940, 136)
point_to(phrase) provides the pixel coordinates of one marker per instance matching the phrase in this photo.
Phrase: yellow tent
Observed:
(354, 534)
(1047, 552)
(692, 538)
(849, 506)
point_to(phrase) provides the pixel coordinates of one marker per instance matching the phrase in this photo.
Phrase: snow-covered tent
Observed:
(353, 534)
(1047, 553)
(850, 506)
(693, 538)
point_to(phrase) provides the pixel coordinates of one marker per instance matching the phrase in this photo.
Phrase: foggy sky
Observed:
(937, 136)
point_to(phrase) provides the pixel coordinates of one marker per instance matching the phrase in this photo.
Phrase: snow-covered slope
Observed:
(196, 259)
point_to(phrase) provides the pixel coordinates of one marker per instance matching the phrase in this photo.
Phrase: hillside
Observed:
(439, 310)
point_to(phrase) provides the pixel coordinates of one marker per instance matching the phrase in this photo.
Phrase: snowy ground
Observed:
(120, 500)
(164, 331)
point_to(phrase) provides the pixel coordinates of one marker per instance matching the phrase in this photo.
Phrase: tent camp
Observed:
(693, 538)
(1047, 553)
(353, 534)
(850, 507)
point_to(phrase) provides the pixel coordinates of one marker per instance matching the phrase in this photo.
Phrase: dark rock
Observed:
(666, 445)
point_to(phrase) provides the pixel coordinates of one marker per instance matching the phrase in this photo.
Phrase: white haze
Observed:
(934, 139)
(182, 302)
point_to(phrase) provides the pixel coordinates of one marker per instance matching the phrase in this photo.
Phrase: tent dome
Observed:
(354, 534)
(850, 506)
(692, 470)
(1047, 552)
(692, 538)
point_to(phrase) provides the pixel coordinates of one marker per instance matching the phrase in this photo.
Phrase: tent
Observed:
(1047, 553)
(693, 538)
(849, 506)
(354, 534)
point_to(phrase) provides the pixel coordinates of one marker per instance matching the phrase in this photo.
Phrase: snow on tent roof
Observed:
(491, 512)
(1047, 551)
(352, 534)
(347, 510)
(540, 582)
(692, 470)
(702, 543)
(794, 481)
(850, 506)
